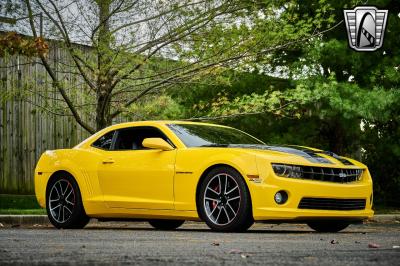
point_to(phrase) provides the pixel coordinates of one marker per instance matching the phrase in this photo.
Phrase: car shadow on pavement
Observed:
(206, 230)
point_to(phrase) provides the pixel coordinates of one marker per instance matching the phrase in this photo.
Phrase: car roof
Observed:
(164, 122)
(140, 123)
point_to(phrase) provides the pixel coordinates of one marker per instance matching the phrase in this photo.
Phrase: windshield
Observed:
(210, 136)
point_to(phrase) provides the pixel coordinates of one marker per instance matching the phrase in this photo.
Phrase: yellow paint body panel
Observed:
(162, 184)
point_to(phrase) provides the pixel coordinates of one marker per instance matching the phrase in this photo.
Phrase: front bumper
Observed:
(266, 209)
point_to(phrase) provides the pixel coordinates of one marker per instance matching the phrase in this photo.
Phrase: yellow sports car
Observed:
(166, 172)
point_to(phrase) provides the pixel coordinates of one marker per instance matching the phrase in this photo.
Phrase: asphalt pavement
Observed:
(194, 243)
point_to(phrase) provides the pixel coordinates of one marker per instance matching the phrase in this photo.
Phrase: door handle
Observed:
(108, 161)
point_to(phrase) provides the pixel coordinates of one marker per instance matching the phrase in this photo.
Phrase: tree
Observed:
(359, 115)
(338, 99)
(141, 48)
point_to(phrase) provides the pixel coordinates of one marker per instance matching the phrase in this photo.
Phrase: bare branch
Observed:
(113, 12)
(155, 16)
(220, 62)
(65, 34)
(46, 109)
(53, 76)
(169, 38)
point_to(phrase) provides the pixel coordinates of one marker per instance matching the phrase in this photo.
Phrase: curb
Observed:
(385, 218)
(44, 220)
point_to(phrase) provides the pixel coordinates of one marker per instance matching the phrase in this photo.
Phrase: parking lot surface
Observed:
(194, 243)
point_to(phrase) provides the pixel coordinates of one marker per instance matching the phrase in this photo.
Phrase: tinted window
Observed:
(132, 138)
(204, 135)
(105, 141)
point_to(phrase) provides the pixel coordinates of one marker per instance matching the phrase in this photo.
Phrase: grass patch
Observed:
(23, 211)
(9, 201)
(20, 204)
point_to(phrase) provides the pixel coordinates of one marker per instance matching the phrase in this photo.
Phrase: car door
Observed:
(131, 176)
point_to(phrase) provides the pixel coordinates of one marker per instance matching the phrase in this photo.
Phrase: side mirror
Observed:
(157, 143)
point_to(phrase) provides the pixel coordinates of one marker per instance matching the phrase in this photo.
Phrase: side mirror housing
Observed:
(157, 143)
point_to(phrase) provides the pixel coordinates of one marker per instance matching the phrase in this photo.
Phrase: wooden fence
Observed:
(26, 131)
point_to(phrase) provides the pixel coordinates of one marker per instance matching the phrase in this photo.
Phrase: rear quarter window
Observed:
(105, 141)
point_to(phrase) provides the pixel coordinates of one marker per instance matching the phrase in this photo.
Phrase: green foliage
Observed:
(335, 98)
(154, 108)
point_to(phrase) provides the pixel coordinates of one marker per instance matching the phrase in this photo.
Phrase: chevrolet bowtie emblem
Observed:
(365, 27)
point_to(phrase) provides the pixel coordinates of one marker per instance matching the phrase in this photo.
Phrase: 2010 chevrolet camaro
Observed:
(167, 172)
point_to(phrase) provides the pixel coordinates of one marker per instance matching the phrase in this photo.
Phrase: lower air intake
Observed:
(332, 204)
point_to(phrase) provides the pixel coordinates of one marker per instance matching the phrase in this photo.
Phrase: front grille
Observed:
(328, 174)
(332, 204)
(337, 175)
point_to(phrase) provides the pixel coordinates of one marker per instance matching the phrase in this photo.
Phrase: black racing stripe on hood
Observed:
(329, 153)
(308, 154)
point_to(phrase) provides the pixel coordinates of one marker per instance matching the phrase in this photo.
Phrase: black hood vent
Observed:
(310, 155)
(329, 153)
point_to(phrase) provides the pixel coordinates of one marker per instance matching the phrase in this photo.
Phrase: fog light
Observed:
(281, 197)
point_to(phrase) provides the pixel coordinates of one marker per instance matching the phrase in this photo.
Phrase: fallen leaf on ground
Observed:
(373, 245)
(235, 251)
(311, 258)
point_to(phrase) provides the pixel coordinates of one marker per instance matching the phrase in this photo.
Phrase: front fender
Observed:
(192, 163)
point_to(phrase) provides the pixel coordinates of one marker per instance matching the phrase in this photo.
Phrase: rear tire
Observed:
(166, 224)
(328, 226)
(224, 201)
(64, 203)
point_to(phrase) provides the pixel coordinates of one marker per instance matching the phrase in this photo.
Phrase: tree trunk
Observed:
(102, 111)
(335, 135)
(104, 79)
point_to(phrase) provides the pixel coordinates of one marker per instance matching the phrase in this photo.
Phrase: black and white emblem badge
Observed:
(365, 27)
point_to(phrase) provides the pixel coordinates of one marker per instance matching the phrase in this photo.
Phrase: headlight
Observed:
(288, 170)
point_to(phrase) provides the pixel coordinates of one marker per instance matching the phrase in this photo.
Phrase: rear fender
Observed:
(53, 162)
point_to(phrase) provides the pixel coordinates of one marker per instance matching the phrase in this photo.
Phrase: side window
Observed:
(105, 141)
(132, 138)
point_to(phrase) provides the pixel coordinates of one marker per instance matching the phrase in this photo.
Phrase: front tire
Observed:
(166, 224)
(64, 203)
(224, 201)
(328, 226)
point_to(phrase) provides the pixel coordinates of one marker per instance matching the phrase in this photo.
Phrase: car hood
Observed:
(310, 154)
